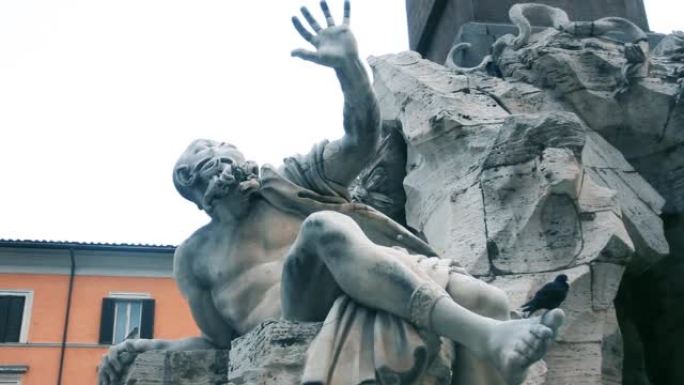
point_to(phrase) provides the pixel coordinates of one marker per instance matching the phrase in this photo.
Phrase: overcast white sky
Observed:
(98, 98)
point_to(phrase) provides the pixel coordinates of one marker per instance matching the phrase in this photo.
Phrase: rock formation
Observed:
(644, 120)
(501, 178)
(491, 192)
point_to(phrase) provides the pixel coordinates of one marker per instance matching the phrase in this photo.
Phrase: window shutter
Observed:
(11, 315)
(16, 314)
(4, 317)
(107, 321)
(147, 319)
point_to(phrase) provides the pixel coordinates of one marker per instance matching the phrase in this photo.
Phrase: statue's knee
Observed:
(328, 219)
(326, 229)
(292, 262)
(494, 303)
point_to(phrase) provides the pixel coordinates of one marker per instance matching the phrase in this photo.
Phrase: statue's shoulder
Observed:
(192, 246)
(185, 259)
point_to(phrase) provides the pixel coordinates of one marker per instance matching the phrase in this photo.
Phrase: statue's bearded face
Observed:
(209, 172)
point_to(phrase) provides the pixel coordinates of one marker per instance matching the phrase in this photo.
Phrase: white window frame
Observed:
(26, 315)
(126, 296)
(10, 379)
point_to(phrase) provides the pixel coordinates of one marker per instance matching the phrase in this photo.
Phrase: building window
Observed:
(15, 315)
(126, 316)
(11, 374)
(10, 379)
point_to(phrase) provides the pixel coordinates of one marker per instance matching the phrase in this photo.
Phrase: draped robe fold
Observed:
(358, 345)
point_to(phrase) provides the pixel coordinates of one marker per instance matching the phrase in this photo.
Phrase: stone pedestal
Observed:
(274, 353)
(202, 367)
(271, 354)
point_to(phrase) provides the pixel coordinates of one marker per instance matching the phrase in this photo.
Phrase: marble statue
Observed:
(288, 242)
(635, 49)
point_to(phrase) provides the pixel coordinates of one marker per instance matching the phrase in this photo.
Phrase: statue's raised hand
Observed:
(335, 45)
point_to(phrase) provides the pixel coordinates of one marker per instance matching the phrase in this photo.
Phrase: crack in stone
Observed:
(496, 99)
(670, 112)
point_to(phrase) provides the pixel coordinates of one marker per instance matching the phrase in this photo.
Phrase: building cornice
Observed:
(67, 245)
(99, 259)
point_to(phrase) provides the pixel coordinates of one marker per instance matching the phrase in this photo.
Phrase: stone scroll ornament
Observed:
(451, 60)
(636, 48)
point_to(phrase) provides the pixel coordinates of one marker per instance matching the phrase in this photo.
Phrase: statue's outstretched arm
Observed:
(335, 47)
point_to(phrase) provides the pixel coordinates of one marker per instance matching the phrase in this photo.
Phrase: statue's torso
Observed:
(242, 267)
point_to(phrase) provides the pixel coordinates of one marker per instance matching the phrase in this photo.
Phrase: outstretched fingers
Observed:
(312, 22)
(306, 55)
(326, 12)
(347, 12)
(303, 32)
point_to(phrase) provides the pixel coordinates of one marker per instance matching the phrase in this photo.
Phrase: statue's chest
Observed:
(256, 243)
(267, 230)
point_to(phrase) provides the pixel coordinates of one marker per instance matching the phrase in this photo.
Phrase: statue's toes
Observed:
(539, 347)
(541, 331)
(553, 319)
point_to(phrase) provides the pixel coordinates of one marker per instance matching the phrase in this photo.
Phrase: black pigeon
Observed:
(550, 296)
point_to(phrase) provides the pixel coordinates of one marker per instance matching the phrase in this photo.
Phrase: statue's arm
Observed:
(346, 157)
(336, 47)
(215, 331)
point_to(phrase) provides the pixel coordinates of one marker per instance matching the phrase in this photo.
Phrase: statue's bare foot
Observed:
(515, 345)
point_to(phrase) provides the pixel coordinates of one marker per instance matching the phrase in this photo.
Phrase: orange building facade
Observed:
(63, 304)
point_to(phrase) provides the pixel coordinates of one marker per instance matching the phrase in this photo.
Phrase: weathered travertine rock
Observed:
(516, 185)
(201, 367)
(644, 122)
(273, 353)
(501, 179)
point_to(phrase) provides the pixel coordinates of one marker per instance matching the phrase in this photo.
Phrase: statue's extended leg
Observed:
(485, 300)
(377, 277)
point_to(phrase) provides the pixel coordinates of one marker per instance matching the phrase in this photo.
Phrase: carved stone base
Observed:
(202, 367)
(272, 354)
